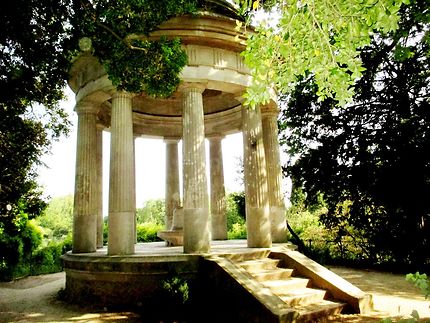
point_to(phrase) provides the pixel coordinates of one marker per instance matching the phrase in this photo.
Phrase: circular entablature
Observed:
(214, 101)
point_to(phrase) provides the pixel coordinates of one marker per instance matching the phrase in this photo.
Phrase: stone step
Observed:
(284, 286)
(257, 265)
(319, 311)
(303, 296)
(276, 273)
(246, 256)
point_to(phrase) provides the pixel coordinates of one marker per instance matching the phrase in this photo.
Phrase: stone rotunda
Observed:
(228, 280)
(207, 105)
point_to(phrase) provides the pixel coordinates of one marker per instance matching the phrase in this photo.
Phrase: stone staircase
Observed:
(285, 286)
(296, 292)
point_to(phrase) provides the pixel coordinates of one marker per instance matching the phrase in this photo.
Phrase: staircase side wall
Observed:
(321, 277)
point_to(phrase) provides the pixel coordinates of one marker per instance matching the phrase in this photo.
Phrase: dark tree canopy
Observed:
(370, 160)
(33, 69)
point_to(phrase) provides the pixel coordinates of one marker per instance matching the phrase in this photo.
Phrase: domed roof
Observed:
(221, 7)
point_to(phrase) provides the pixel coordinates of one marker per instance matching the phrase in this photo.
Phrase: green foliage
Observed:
(42, 260)
(313, 36)
(421, 281)
(105, 232)
(33, 69)
(237, 231)
(24, 249)
(120, 36)
(147, 232)
(47, 259)
(369, 159)
(235, 209)
(327, 246)
(153, 211)
(18, 240)
(172, 302)
(177, 288)
(57, 219)
(236, 226)
(304, 222)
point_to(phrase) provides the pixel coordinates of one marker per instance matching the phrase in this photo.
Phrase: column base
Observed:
(278, 223)
(197, 235)
(86, 240)
(121, 238)
(258, 227)
(219, 228)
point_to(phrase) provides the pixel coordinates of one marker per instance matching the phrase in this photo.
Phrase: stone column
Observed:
(121, 209)
(172, 180)
(85, 200)
(218, 202)
(256, 198)
(99, 168)
(197, 235)
(274, 174)
(134, 189)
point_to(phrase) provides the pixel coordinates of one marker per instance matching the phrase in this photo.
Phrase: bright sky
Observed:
(59, 176)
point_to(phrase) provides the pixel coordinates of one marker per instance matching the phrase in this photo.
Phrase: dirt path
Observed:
(393, 296)
(33, 299)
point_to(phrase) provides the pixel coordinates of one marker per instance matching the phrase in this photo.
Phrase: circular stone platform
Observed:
(134, 279)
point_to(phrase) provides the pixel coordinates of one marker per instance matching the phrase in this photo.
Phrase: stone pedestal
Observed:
(274, 174)
(85, 200)
(218, 202)
(196, 212)
(121, 199)
(172, 180)
(256, 195)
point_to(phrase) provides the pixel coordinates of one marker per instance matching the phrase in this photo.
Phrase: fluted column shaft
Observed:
(274, 175)
(99, 168)
(121, 209)
(172, 180)
(85, 200)
(196, 212)
(256, 197)
(134, 189)
(218, 202)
